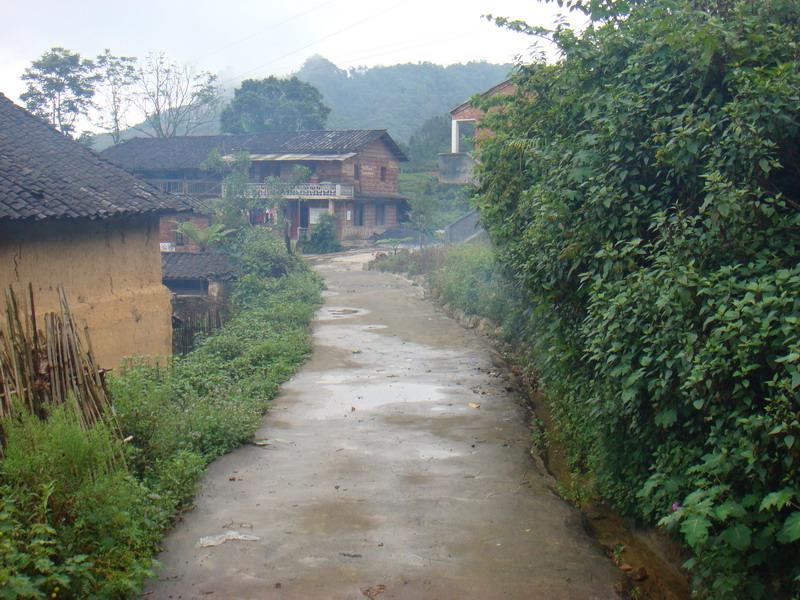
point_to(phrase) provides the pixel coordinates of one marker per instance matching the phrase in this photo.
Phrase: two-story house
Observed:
(353, 173)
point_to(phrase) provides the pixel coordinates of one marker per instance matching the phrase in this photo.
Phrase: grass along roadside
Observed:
(78, 521)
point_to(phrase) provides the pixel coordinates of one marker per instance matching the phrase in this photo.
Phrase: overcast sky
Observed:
(250, 38)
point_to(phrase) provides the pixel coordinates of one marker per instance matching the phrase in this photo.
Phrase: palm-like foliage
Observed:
(204, 237)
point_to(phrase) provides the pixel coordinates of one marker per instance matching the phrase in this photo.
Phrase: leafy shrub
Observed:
(73, 521)
(261, 253)
(643, 195)
(324, 236)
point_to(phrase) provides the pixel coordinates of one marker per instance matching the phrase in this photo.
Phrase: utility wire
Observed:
(265, 30)
(314, 43)
(391, 48)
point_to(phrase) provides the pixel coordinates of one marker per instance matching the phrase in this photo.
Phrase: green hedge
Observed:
(644, 197)
(82, 514)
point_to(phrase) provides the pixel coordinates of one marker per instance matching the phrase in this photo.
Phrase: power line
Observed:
(397, 48)
(270, 28)
(314, 43)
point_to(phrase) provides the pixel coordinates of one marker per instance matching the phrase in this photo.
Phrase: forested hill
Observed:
(399, 98)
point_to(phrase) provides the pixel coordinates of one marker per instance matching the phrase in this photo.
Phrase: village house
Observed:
(353, 174)
(71, 218)
(457, 166)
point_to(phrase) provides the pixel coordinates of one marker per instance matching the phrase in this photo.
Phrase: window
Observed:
(358, 215)
(180, 239)
(356, 171)
(383, 173)
(380, 214)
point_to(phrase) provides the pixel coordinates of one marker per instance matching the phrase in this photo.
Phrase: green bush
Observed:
(73, 522)
(644, 197)
(324, 236)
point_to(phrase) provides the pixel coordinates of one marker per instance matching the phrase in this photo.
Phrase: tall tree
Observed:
(274, 104)
(175, 99)
(116, 76)
(60, 86)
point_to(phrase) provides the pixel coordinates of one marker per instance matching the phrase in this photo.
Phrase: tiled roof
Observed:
(505, 86)
(195, 265)
(190, 152)
(44, 174)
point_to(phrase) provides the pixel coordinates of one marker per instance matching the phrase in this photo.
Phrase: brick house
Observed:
(353, 173)
(71, 218)
(457, 165)
(171, 240)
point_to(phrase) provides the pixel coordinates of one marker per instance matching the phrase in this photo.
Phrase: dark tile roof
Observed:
(195, 265)
(189, 152)
(44, 174)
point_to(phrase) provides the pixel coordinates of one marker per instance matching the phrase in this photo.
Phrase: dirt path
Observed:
(380, 480)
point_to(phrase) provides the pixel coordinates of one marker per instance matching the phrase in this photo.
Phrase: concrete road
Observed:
(380, 480)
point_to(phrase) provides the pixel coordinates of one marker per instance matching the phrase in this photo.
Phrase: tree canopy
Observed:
(274, 104)
(174, 98)
(59, 88)
(644, 196)
(116, 76)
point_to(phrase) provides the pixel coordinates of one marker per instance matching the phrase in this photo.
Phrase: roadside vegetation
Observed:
(324, 237)
(82, 511)
(643, 197)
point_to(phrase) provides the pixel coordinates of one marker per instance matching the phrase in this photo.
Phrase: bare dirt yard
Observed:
(394, 465)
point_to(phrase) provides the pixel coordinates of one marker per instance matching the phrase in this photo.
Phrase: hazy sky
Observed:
(248, 38)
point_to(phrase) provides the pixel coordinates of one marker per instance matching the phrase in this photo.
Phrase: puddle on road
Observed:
(333, 313)
(330, 517)
(365, 394)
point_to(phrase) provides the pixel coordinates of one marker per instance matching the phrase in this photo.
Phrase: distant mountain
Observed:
(399, 98)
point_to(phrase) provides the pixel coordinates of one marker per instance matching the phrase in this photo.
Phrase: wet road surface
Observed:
(380, 480)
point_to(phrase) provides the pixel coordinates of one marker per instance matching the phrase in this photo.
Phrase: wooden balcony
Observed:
(188, 187)
(304, 191)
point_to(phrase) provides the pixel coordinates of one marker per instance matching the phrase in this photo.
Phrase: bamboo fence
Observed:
(185, 335)
(45, 361)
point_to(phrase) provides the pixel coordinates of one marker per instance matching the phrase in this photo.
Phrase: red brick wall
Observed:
(466, 111)
(169, 222)
(462, 113)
